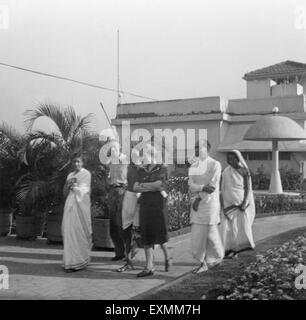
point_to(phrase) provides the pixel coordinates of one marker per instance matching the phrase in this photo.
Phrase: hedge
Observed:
(179, 203)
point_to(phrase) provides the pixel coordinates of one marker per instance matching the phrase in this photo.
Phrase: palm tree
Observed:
(71, 128)
(57, 147)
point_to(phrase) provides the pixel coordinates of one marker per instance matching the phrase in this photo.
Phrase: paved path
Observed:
(36, 273)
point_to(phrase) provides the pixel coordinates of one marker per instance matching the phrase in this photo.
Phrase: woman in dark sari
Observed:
(152, 212)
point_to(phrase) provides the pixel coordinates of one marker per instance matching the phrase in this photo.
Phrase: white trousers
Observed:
(206, 243)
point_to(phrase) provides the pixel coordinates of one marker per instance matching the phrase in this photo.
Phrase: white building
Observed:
(282, 85)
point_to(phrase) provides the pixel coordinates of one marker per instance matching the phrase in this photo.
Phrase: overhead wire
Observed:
(76, 81)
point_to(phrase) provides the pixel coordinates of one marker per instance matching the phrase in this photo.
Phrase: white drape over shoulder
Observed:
(237, 225)
(76, 226)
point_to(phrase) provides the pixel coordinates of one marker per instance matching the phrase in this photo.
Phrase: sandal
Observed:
(126, 267)
(71, 270)
(145, 273)
(229, 254)
(235, 256)
(232, 255)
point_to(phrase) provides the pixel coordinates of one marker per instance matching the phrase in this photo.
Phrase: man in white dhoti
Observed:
(76, 225)
(204, 180)
(238, 205)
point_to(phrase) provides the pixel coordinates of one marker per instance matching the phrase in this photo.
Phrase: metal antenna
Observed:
(118, 87)
(118, 75)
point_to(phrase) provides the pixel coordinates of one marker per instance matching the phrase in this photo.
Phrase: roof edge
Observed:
(169, 100)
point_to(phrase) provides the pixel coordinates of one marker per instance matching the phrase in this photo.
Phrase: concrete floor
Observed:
(35, 270)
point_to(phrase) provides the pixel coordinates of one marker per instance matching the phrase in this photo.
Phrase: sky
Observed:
(169, 49)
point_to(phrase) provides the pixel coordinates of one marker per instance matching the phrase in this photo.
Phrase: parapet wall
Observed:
(286, 104)
(172, 107)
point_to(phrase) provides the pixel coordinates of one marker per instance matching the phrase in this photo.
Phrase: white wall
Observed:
(259, 88)
(303, 83)
(285, 104)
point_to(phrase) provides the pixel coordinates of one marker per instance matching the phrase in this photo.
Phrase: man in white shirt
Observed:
(204, 185)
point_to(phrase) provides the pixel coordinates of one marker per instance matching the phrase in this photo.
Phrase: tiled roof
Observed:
(277, 70)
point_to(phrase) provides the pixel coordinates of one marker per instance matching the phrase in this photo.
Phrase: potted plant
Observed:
(5, 213)
(6, 200)
(10, 144)
(33, 188)
(101, 227)
(28, 225)
(54, 224)
(56, 204)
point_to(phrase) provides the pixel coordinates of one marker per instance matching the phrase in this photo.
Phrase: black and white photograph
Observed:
(152, 151)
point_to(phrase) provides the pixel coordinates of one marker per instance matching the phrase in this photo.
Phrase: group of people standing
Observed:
(222, 209)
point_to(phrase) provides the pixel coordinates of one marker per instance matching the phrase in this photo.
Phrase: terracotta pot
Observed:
(54, 228)
(5, 222)
(26, 227)
(101, 233)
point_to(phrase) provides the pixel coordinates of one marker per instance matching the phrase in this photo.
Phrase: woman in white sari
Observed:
(238, 205)
(76, 225)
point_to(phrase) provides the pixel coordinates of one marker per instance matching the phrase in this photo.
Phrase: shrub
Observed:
(260, 180)
(291, 179)
(99, 193)
(279, 203)
(178, 203)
